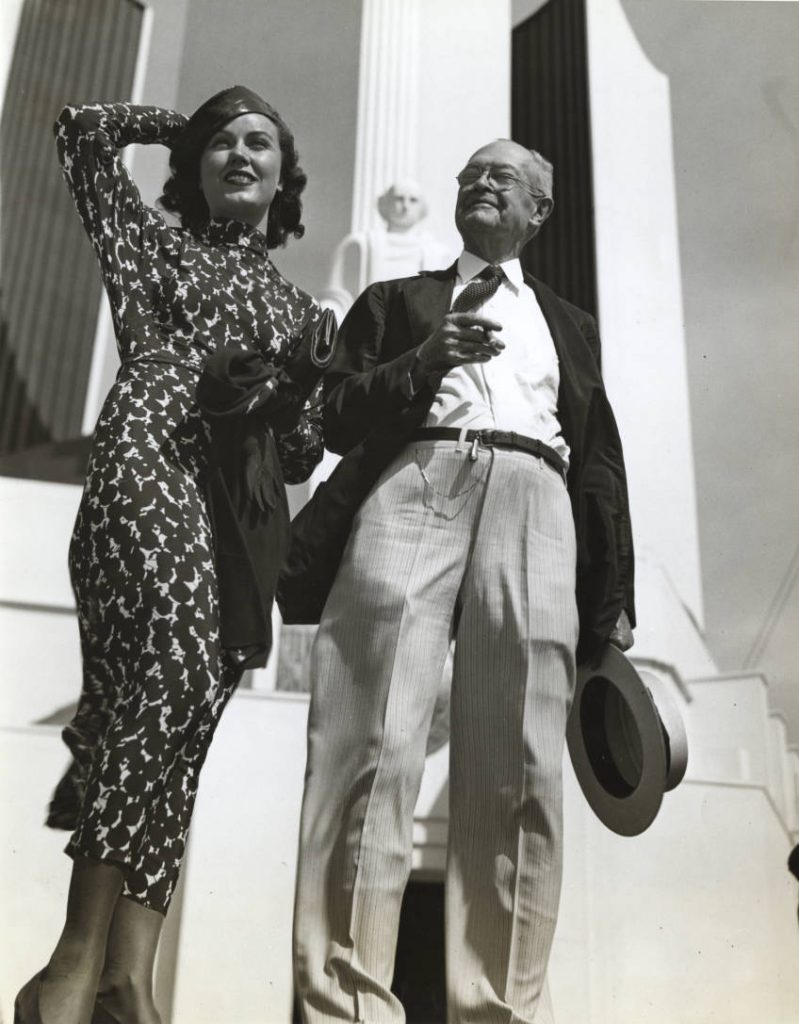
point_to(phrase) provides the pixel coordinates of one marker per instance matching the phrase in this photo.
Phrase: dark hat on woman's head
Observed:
(212, 115)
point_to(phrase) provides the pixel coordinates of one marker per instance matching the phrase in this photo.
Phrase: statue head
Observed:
(402, 205)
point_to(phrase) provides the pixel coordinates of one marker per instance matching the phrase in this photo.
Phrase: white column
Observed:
(640, 296)
(434, 85)
(9, 24)
(385, 147)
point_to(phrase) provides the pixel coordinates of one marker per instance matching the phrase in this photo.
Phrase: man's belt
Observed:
(493, 439)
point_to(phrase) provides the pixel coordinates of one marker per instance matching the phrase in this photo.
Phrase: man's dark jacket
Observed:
(371, 411)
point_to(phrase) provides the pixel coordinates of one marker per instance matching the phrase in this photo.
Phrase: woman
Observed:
(157, 672)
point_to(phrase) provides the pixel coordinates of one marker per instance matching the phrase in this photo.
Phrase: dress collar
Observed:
(469, 266)
(234, 232)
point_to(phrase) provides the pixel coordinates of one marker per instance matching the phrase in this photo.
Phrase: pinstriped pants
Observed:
(483, 551)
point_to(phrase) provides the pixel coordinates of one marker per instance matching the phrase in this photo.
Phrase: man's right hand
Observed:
(460, 338)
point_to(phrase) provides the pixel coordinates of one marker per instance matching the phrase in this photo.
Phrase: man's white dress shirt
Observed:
(517, 389)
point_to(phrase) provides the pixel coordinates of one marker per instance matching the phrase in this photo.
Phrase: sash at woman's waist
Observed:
(162, 358)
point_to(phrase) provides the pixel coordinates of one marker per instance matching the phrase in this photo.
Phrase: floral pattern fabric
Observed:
(156, 678)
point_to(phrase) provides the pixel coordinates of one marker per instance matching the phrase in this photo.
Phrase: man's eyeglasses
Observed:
(498, 179)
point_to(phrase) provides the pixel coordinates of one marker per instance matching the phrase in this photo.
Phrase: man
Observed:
(466, 399)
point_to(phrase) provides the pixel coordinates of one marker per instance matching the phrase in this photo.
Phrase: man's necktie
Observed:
(478, 289)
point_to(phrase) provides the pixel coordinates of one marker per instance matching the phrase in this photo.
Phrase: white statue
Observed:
(402, 249)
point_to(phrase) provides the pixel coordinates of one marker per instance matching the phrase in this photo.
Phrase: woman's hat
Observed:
(212, 115)
(627, 742)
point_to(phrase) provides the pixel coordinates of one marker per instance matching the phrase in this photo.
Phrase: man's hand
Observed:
(622, 635)
(461, 338)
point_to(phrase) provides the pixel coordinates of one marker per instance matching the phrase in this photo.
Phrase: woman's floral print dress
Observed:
(141, 559)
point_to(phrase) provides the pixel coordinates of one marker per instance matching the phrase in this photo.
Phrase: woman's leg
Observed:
(125, 991)
(69, 982)
(146, 587)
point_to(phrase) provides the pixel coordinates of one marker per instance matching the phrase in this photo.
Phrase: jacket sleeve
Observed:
(364, 390)
(606, 485)
(588, 328)
(605, 556)
(620, 502)
(590, 333)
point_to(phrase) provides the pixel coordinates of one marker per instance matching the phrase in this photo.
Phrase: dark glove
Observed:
(262, 475)
(302, 371)
(237, 382)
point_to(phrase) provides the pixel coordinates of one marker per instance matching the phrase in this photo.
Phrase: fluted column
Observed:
(388, 92)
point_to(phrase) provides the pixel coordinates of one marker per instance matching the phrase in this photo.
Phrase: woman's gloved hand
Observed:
(302, 371)
(238, 382)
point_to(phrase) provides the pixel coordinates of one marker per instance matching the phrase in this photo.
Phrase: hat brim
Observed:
(214, 114)
(626, 740)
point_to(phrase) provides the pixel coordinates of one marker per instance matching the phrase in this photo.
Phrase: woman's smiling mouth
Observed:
(239, 178)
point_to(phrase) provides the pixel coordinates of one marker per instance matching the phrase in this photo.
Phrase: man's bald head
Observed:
(538, 170)
(505, 196)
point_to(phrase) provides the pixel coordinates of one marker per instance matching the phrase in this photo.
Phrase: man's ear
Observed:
(543, 208)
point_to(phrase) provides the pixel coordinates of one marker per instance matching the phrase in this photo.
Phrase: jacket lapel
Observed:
(579, 375)
(578, 371)
(427, 300)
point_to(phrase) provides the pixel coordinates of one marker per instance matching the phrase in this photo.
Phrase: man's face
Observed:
(495, 206)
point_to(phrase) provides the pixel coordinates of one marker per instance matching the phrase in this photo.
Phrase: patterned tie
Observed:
(478, 289)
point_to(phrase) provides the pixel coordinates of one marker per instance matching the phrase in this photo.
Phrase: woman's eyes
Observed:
(228, 142)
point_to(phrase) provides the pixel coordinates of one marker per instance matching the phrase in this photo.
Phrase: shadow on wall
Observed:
(27, 448)
(20, 424)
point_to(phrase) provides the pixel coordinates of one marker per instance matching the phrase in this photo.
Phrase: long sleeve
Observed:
(89, 140)
(301, 448)
(364, 390)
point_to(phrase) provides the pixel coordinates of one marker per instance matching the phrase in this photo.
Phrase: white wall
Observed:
(640, 293)
(734, 92)
(692, 922)
(9, 23)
